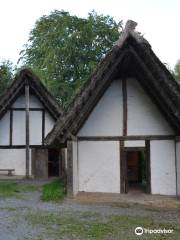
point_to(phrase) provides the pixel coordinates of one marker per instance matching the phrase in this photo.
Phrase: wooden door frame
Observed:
(123, 165)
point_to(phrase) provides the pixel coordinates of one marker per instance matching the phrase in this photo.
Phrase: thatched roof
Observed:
(36, 87)
(131, 56)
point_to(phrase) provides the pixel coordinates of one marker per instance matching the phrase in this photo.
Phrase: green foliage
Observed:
(177, 71)
(53, 191)
(6, 75)
(64, 50)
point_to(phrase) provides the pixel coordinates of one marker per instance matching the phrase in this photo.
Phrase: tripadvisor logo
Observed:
(139, 231)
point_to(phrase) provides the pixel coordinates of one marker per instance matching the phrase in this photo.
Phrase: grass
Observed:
(53, 191)
(97, 227)
(13, 189)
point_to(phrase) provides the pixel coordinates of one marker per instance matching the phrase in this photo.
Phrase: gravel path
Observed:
(14, 211)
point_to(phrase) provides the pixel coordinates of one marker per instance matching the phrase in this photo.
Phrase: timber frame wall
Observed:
(12, 110)
(122, 149)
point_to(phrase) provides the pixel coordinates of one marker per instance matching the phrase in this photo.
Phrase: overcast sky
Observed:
(158, 20)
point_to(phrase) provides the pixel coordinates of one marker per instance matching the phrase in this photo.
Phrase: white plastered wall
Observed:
(134, 143)
(99, 166)
(178, 167)
(19, 135)
(144, 117)
(5, 129)
(163, 172)
(106, 117)
(49, 123)
(19, 123)
(14, 159)
(35, 127)
(33, 102)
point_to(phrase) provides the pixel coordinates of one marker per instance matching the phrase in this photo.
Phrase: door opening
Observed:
(136, 171)
(53, 163)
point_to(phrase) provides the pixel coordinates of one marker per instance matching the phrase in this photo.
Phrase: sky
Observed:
(158, 21)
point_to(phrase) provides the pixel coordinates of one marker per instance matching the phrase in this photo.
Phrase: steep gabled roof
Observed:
(130, 56)
(36, 86)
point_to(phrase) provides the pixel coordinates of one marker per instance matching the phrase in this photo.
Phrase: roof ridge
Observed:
(130, 30)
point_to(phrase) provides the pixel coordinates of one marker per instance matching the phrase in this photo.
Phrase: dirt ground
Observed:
(130, 199)
(89, 216)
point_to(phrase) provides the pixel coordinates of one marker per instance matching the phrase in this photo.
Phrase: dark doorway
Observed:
(53, 162)
(136, 171)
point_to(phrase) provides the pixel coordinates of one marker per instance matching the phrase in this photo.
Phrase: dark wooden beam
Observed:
(63, 164)
(30, 146)
(148, 166)
(177, 138)
(124, 92)
(129, 138)
(24, 109)
(123, 170)
(130, 149)
(69, 169)
(27, 128)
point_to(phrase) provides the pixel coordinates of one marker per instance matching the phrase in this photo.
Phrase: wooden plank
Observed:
(40, 163)
(123, 171)
(124, 92)
(129, 138)
(130, 149)
(24, 109)
(148, 166)
(11, 128)
(69, 169)
(27, 128)
(30, 146)
(63, 160)
(177, 139)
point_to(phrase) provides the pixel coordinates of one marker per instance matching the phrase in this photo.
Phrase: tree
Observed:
(64, 50)
(177, 71)
(6, 75)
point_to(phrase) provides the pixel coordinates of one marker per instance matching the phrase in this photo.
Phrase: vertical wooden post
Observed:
(148, 166)
(123, 166)
(27, 128)
(63, 168)
(69, 169)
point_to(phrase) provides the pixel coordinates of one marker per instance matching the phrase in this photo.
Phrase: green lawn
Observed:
(14, 189)
(53, 191)
(92, 226)
(79, 225)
